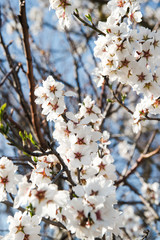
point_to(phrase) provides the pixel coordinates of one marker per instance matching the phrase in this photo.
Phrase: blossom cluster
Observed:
(23, 226)
(51, 98)
(42, 199)
(129, 55)
(92, 199)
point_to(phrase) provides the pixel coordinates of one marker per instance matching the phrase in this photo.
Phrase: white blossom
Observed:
(64, 9)
(23, 226)
(8, 178)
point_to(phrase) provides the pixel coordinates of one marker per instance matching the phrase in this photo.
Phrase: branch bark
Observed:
(30, 76)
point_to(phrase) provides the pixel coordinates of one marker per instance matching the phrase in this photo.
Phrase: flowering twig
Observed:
(48, 221)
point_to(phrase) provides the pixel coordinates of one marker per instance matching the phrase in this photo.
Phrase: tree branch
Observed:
(140, 160)
(34, 116)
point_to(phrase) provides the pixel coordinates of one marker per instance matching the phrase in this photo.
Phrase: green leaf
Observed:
(109, 100)
(1, 128)
(31, 209)
(110, 86)
(89, 17)
(7, 129)
(28, 155)
(30, 137)
(76, 10)
(74, 195)
(3, 107)
(21, 135)
(123, 97)
(26, 136)
(35, 159)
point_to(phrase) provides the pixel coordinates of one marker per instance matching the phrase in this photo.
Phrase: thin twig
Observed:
(8, 74)
(120, 102)
(129, 110)
(15, 124)
(137, 164)
(147, 204)
(16, 79)
(64, 167)
(53, 151)
(76, 66)
(57, 176)
(74, 50)
(140, 160)
(89, 46)
(88, 25)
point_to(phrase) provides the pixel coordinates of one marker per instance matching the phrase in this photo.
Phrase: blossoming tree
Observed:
(82, 121)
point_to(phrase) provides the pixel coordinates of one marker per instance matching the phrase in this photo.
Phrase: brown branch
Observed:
(15, 124)
(64, 167)
(139, 161)
(34, 116)
(31, 153)
(129, 202)
(12, 142)
(22, 160)
(120, 102)
(150, 142)
(152, 118)
(9, 73)
(57, 176)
